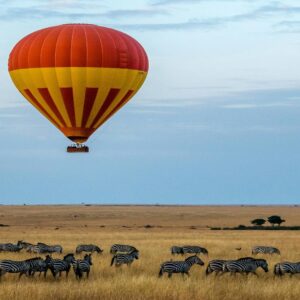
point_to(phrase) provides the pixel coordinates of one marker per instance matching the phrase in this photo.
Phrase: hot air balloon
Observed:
(78, 75)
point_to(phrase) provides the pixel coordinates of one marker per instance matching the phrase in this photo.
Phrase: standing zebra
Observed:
(57, 266)
(37, 264)
(124, 258)
(182, 267)
(216, 265)
(265, 250)
(88, 248)
(122, 248)
(239, 266)
(287, 267)
(194, 250)
(9, 247)
(83, 266)
(13, 266)
(176, 250)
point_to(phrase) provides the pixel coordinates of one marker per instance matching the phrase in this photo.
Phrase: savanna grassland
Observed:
(169, 225)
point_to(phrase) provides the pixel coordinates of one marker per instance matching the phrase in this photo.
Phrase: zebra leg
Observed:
(87, 274)
(170, 275)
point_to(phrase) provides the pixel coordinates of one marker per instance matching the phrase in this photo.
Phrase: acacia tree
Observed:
(258, 222)
(275, 220)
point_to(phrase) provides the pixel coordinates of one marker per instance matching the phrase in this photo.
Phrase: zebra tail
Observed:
(113, 259)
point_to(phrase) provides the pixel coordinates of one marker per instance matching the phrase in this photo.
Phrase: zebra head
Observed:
(98, 249)
(194, 260)
(134, 254)
(275, 250)
(263, 264)
(70, 258)
(88, 258)
(204, 251)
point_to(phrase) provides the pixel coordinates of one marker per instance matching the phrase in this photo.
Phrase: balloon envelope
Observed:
(78, 75)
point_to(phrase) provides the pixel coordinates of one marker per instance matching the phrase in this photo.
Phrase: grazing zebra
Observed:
(124, 258)
(9, 247)
(83, 266)
(176, 250)
(182, 267)
(122, 248)
(265, 250)
(194, 250)
(43, 248)
(13, 266)
(88, 248)
(239, 266)
(25, 245)
(287, 267)
(57, 266)
(216, 265)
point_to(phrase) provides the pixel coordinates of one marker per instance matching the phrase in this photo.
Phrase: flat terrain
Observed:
(169, 225)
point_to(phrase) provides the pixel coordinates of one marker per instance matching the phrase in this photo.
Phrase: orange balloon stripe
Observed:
(48, 99)
(40, 107)
(67, 94)
(108, 100)
(90, 97)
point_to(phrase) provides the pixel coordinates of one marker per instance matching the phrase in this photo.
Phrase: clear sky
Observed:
(216, 122)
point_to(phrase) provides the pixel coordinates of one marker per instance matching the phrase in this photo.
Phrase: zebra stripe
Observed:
(194, 250)
(57, 266)
(216, 265)
(43, 248)
(9, 247)
(83, 266)
(13, 266)
(182, 267)
(124, 258)
(122, 248)
(88, 248)
(287, 267)
(239, 266)
(265, 250)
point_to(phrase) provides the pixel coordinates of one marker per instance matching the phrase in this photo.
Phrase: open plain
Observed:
(153, 230)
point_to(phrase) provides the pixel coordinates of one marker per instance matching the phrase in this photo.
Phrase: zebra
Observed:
(57, 266)
(124, 258)
(182, 267)
(176, 250)
(13, 266)
(239, 266)
(43, 248)
(194, 250)
(83, 266)
(37, 264)
(25, 245)
(216, 265)
(9, 247)
(265, 250)
(122, 248)
(88, 248)
(287, 267)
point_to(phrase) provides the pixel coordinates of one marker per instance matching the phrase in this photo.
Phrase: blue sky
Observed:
(216, 122)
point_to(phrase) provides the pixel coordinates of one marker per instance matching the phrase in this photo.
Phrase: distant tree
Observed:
(275, 220)
(258, 222)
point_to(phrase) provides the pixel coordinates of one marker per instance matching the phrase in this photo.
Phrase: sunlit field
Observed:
(106, 225)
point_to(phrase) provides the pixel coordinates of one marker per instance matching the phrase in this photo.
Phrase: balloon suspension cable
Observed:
(77, 147)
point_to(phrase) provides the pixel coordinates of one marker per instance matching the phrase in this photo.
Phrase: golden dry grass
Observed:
(124, 224)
